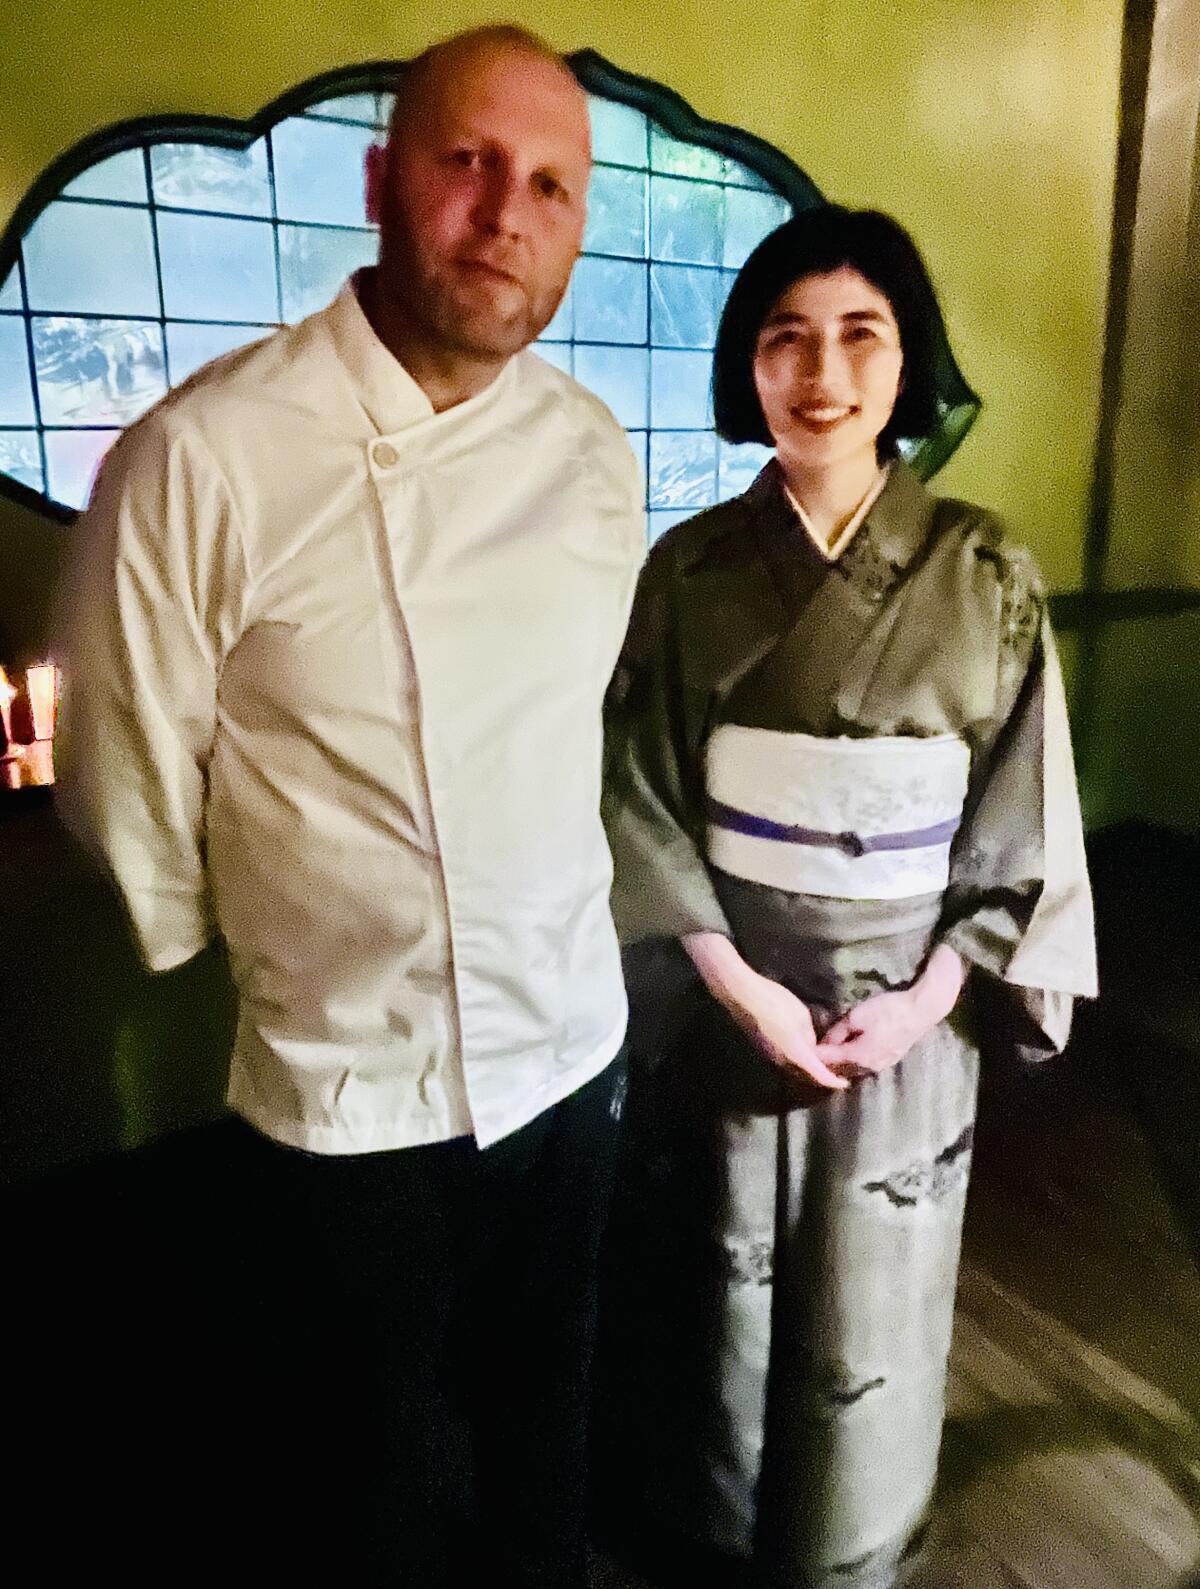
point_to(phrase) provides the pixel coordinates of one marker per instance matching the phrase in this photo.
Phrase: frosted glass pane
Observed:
(91, 259)
(314, 261)
(680, 390)
(684, 305)
(72, 459)
(619, 377)
(349, 107)
(739, 467)
(97, 372)
(560, 354)
(215, 269)
(10, 290)
(610, 301)
(16, 389)
(662, 519)
(745, 177)
(189, 346)
(684, 159)
(618, 133)
(616, 213)
(683, 469)
(686, 220)
(121, 176)
(21, 457)
(748, 219)
(205, 177)
(319, 171)
(561, 328)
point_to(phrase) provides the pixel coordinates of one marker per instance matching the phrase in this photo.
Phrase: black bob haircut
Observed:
(814, 243)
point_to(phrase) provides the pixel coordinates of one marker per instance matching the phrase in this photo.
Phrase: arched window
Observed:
(158, 245)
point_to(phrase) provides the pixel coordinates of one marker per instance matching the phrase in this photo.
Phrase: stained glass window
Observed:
(160, 257)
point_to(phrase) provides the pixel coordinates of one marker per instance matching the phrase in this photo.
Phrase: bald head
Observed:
(428, 75)
(480, 197)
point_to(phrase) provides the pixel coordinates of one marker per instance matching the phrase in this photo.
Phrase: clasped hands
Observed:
(868, 1039)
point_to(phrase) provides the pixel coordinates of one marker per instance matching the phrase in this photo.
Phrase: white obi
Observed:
(843, 818)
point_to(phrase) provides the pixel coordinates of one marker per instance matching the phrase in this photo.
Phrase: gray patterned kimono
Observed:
(785, 1262)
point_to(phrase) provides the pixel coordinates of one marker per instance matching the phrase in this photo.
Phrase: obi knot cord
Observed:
(849, 843)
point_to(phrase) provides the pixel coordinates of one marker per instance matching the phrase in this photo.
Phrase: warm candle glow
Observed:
(41, 680)
(7, 694)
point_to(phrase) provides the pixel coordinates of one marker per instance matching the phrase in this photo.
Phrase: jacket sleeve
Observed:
(654, 778)
(138, 634)
(1018, 907)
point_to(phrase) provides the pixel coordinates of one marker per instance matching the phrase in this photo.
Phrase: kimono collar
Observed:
(901, 517)
(897, 524)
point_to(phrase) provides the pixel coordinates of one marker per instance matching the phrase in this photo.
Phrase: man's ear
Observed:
(375, 175)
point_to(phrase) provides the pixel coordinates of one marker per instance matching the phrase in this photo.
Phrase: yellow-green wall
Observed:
(988, 125)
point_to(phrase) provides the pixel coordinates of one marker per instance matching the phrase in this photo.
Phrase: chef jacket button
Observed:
(385, 455)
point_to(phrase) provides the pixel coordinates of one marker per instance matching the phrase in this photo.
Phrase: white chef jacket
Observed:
(334, 670)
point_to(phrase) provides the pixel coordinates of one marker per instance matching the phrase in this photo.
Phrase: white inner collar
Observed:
(834, 549)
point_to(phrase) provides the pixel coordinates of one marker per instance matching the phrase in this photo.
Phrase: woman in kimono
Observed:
(840, 776)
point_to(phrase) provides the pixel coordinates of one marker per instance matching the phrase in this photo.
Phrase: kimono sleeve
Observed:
(153, 562)
(1018, 907)
(654, 779)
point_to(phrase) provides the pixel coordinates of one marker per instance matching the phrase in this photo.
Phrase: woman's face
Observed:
(827, 370)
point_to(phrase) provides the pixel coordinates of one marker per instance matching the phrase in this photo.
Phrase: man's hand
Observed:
(772, 1016)
(880, 1031)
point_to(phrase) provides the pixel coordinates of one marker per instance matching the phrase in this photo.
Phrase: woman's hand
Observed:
(880, 1031)
(772, 1016)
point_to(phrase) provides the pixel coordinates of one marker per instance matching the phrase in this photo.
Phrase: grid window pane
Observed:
(744, 177)
(121, 176)
(227, 242)
(684, 306)
(72, 459)
(560, 354)
(610, 301)
(748, 218)
(199, 176)
(190, 346)
(215, 269)
(683, 469)
(562, 327)
(619, 377)
(616, 212)
(683, 159)
(739, 467)
(349, 107)
(680, 390)
(319, 171)
(314, 261)
(619, 133)
(16, 389)
(97, 372)
(90, 259)
(686, 220)
(21, 457)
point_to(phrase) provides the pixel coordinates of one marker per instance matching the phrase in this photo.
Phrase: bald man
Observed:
(345, 607)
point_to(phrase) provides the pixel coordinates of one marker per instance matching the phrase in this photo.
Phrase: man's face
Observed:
(480, 199)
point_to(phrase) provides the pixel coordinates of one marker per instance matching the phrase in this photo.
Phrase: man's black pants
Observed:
(415, 1353)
